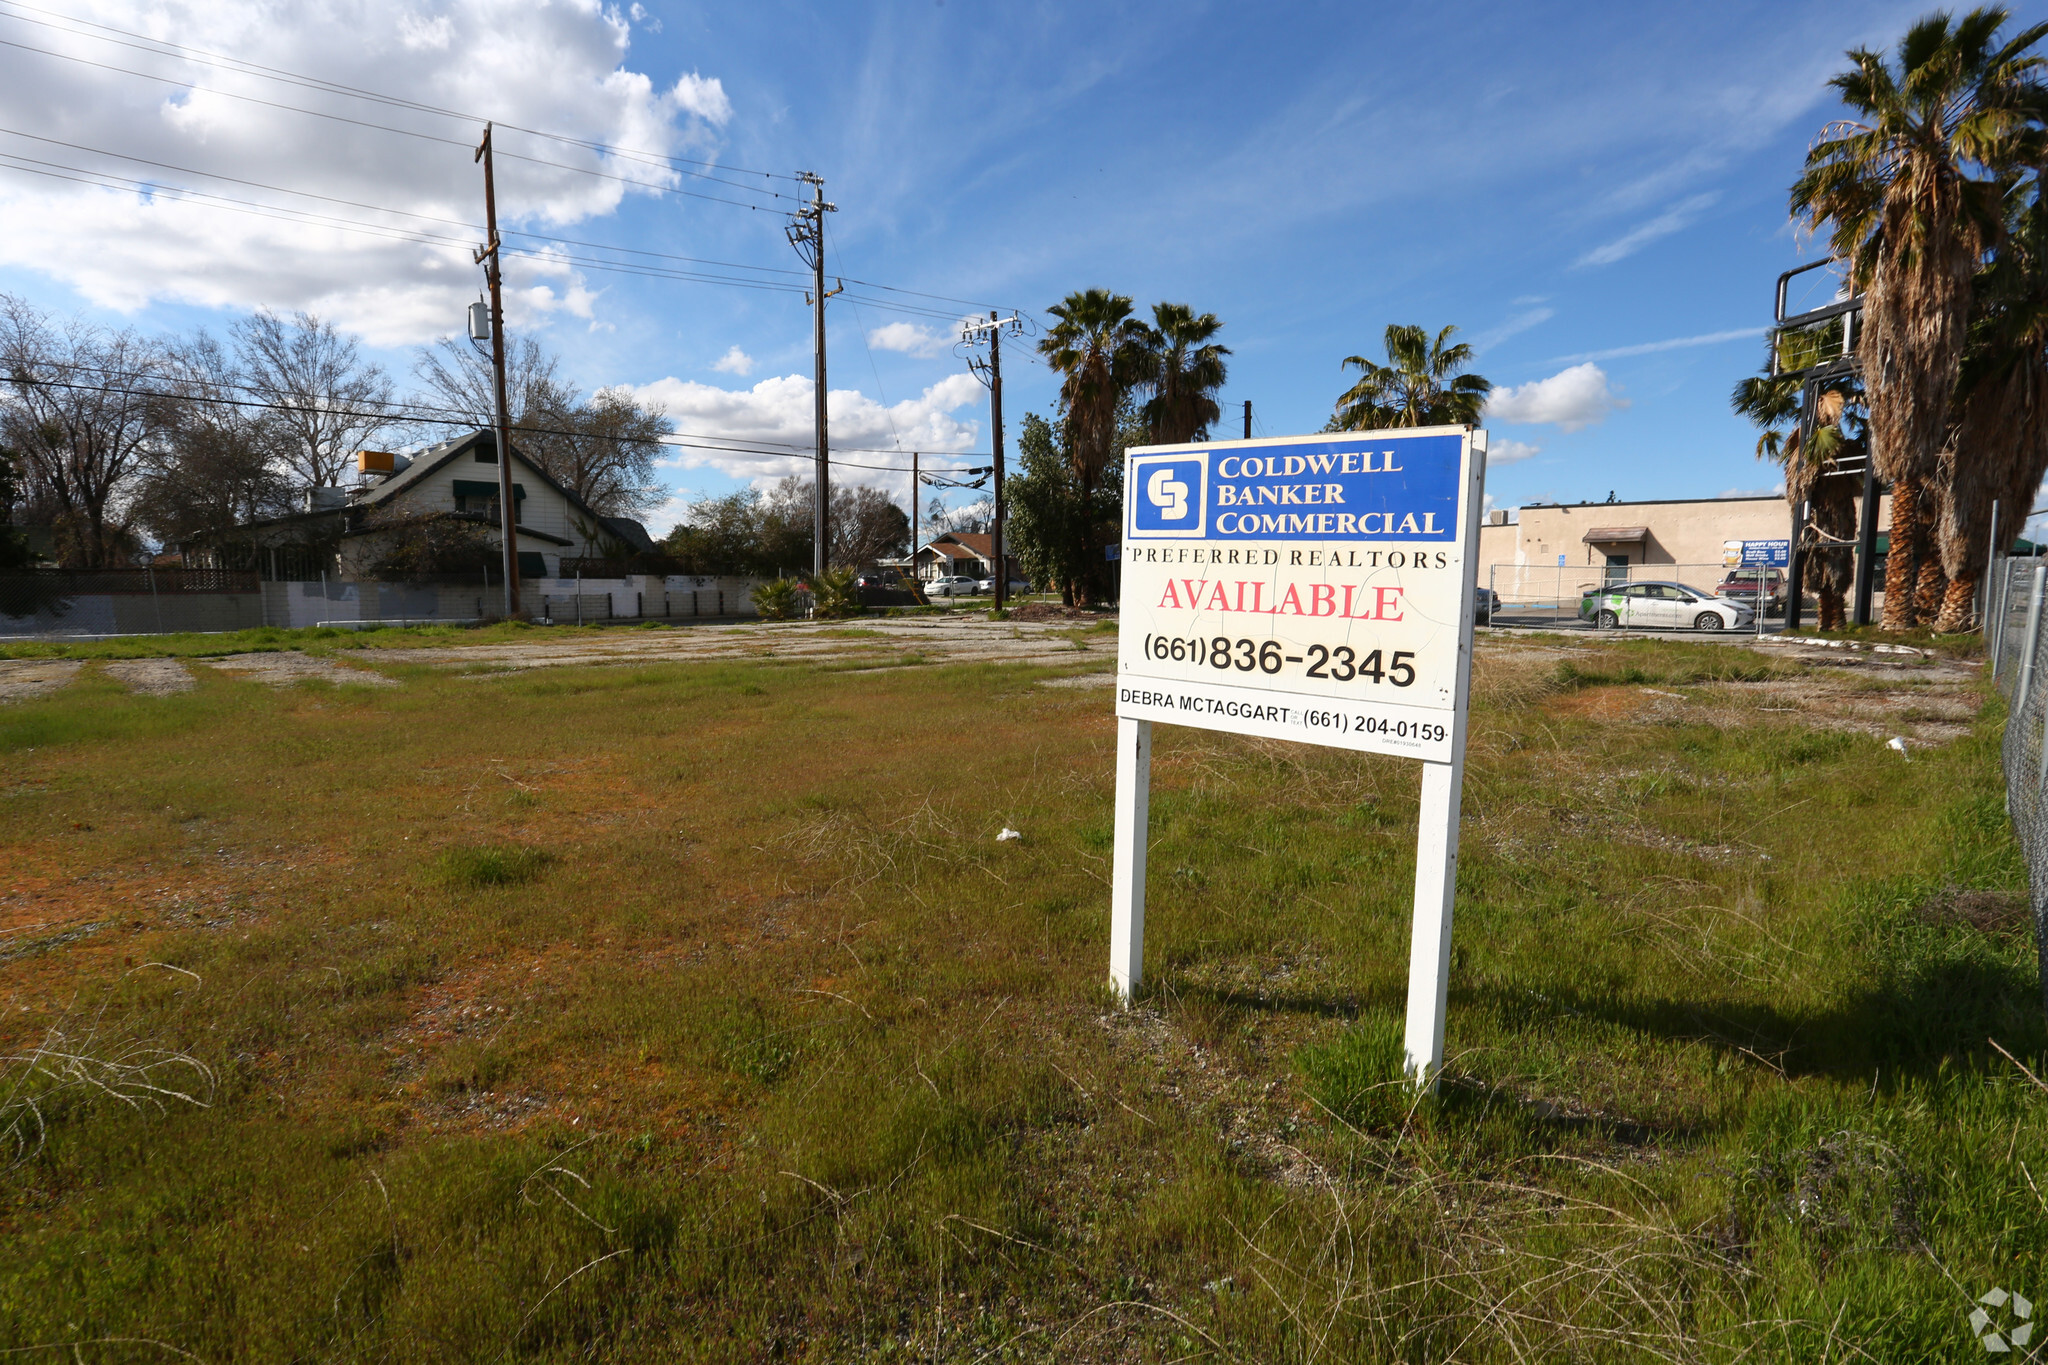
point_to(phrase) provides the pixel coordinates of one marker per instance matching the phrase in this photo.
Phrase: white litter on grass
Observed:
(1008, 834)
(1897, 743)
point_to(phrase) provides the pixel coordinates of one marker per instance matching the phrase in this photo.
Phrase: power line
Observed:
(393, 232)
(387, 128)
(242, 66)
(454, 142)
(377, 208)
(101, 179)
(400, 413)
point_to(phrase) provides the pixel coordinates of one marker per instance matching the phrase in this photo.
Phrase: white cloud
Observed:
(1569, 400)
(659, 521)
(776, 414)
(1505, 451)
(1520, 322)
(121, 245)
(734, 361)
(910, 339)
(1674, 219)
(1652, 347)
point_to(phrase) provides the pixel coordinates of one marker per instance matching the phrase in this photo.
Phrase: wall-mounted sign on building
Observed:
(1756, 554)
(1312, 588)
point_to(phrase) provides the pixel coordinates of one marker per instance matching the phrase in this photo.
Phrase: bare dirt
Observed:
(151, 677)
(21, 679)
(286, 667)
(883, 643)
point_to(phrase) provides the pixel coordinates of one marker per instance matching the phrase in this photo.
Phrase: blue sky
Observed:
(1595, 195)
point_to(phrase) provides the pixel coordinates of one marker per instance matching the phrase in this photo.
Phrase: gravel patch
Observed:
(151, 677)
(21, 679)
(287, 667)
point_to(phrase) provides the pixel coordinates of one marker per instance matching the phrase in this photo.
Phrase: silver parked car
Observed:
(1664, 606)
(953, 585)
(988, 585)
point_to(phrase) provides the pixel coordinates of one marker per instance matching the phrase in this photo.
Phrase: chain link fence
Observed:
(2018, 645)
(1559, 595)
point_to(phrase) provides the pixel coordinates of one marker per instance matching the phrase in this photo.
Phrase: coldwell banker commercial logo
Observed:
(2003, 1320)
(1167, 498)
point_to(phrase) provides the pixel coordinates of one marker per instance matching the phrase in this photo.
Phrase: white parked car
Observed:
(1666, 606)
(953, 585)
(988, 585)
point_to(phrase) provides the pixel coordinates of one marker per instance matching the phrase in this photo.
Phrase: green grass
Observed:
(692, 1012)
(492, 864)
(312, 639)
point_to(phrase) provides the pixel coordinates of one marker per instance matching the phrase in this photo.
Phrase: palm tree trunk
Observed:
(1900, 572)
(1833, 608)
(1085, 594)
(1931, 589)
(1956, 606)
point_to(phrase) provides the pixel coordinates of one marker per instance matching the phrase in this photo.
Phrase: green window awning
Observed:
(477, 488)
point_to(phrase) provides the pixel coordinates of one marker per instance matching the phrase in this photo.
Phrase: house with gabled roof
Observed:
(346, 531)
(969, 554)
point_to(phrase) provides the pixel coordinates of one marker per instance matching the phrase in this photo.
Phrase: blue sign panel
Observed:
(1379, 487)
(1766, 554)
(1169, 496)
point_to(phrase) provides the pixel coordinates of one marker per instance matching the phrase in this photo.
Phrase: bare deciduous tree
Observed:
(457, 376)
(218, 462)
(603, 448)
(79, 411)
(332, 399)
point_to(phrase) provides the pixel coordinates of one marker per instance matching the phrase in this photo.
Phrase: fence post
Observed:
(2004, 605)
(2040, 781)
(1980, 601)
(2033, 638)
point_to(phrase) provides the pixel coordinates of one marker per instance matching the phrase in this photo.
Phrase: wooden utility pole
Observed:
(806, 233)
(508, 514)
(916, 492)
(991, 373)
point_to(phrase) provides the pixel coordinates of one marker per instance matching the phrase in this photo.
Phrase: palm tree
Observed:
(1098, 350)
(1184, 369)
(1998, 448)
(1419, 386)
(1812, 476)
(1896, 189)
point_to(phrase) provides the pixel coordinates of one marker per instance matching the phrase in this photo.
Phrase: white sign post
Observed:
(1312, 588)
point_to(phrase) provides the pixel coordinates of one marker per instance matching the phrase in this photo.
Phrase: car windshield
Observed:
(1696, 592)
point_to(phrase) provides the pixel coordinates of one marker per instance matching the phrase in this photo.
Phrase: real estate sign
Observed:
(1314, 588)
(1317, 588)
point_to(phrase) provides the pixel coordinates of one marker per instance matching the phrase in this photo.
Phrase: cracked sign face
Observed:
(1312, 588)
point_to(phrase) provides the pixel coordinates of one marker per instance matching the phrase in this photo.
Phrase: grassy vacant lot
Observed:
(312, 639)
(692, 1012)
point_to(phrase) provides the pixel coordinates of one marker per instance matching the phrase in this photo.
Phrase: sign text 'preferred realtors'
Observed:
(1312, 588)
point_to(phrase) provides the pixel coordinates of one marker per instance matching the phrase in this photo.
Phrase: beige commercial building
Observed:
(1567, 547)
